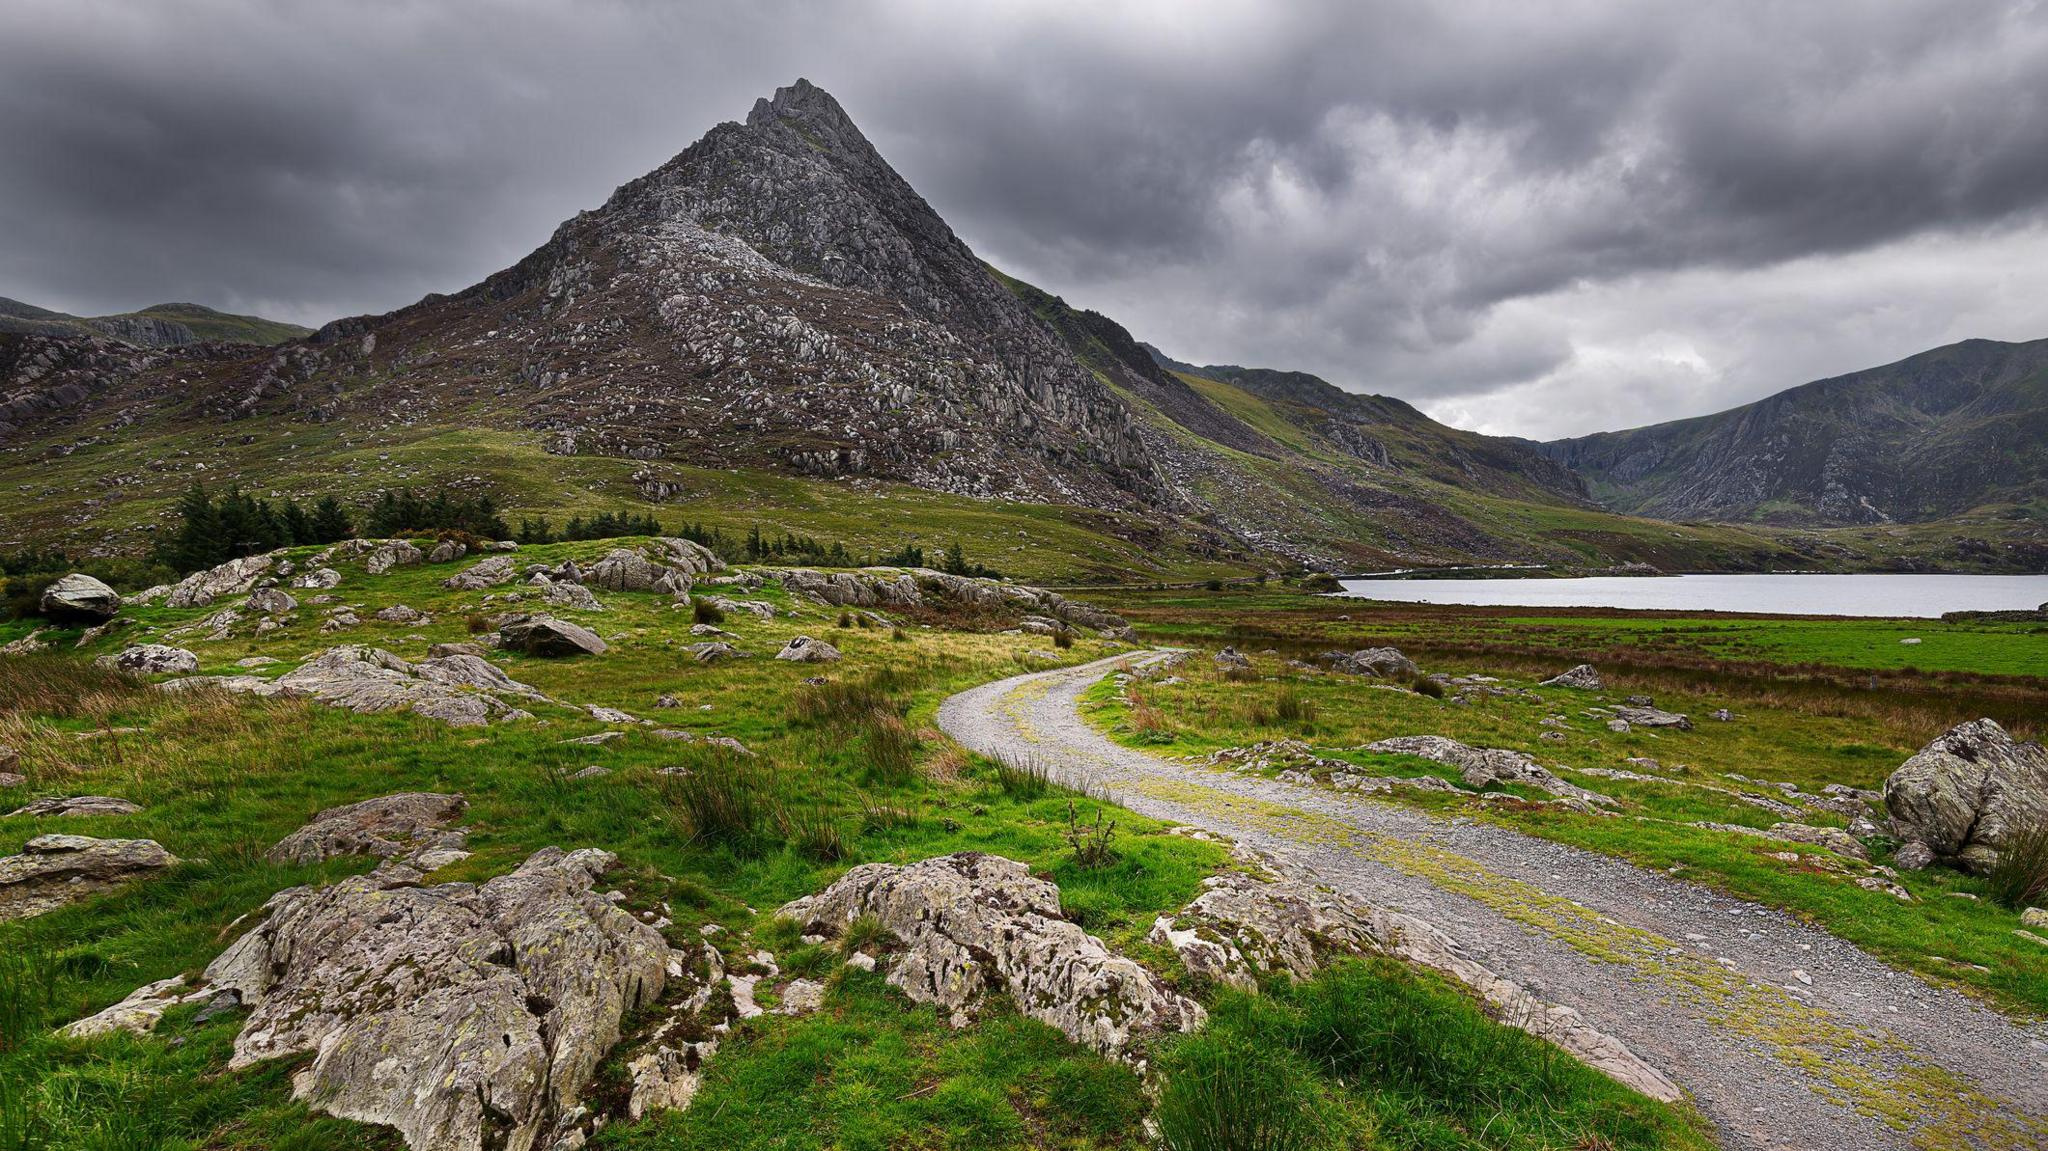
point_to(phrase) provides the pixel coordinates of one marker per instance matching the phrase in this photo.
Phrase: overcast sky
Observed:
(1529, 218)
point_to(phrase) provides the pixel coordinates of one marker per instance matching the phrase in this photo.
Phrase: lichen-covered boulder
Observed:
(271, 601)
(55, 870)
(391, 554)
(1646, 716)
(547, 636)
(1584, 677)
(387, 826)
(151, 659)
(623, 569)
(804, 649)
(80, 596)
(465, 1016)
(461, 691)
(971, 924)
(1385, 662)
(1964, 793)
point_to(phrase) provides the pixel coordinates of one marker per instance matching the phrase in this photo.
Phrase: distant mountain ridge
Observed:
(1934, 435)
(157, 326)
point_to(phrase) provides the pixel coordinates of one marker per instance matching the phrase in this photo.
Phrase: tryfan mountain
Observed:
(774, 329)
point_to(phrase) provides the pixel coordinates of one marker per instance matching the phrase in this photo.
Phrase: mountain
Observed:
(157, 326)
(773, 328)
(1949, 431)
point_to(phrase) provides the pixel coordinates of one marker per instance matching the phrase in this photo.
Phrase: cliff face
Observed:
(1931, 436)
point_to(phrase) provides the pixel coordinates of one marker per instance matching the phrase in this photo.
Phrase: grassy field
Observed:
(1798, 720)
(222, 777)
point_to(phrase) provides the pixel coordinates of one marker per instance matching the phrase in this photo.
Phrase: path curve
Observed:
(1705, 987)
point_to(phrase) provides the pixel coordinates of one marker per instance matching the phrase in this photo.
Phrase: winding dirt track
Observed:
(1711, 990)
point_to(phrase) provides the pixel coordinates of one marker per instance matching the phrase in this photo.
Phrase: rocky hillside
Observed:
(1932, 436)
(774, 321)
(157, 326)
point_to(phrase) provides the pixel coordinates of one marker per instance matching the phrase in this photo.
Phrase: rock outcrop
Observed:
(489, 573)
(1645, 716)
(55, 870)
(78, 805)
(1964, 793)
(386, 827)
(1484, 767)
(235, 577)
(151, 659)
(1385, 662)
(459, 690)
(468, 1017)
(79, 597)
(970, 924)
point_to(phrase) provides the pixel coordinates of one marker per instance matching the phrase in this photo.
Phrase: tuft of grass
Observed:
(1424, 685)
(704, 611)
(724, 798)
(2020, 877)
(1225, 1092)
(1063, 638)
(813, 832)
(476, 623)
(845, 619)
(59, 685)
(890, 749)
(1025, 779)
(875, 816)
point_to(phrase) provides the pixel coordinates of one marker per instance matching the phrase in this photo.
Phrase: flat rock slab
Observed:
(547, 636)
(78, 805)
(55, 870)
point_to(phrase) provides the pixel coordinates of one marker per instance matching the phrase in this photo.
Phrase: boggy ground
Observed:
(1786, 1035)
(848, 773)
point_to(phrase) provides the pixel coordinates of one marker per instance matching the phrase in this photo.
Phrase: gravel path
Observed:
(1783, 1035)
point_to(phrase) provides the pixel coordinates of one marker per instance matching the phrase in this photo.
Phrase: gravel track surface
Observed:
(1783, 1035)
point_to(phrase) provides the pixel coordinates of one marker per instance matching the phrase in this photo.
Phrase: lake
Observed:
(1923, 596)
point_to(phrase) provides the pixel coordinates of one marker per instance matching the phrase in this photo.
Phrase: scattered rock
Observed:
(623, 569)
(447, 552)
(573, 596)
(1232, 659)
(79, 597)
(319, 579)
(78, 805)
(1584, 677)
(1833, 838)
(399, 613)
(55, 870)
(387, 826)
(1385, 662)
(151, 659)
(546, 636)
(465, 1016)
(2034, 917)
(804, 649)
(368, 680)
(1965, 792)
(970, 924)
(712, 652)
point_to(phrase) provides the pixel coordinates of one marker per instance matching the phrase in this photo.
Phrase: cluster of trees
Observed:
(24, 575)
(955, 562)
(403, 512)
(213, 530)
(602, 526)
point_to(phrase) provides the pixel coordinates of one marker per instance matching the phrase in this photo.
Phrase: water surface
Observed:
(1923, 596)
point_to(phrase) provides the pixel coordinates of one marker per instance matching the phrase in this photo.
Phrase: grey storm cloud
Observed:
(1532, 218)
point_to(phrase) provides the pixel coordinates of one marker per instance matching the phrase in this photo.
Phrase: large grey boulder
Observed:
(804, 649)
(1584, 677)
(79, 596)
(466, 1017)
(489, 573)
(151, 659)
(271, 601)
(387, 826)
(78, 805)
(235, 577)
(457, 690)
(1484, 767)
(1963, 794)
(971, 924)
(547, 636)
(319, 579)
(574, 596)
(55, 870)
(691, 557)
